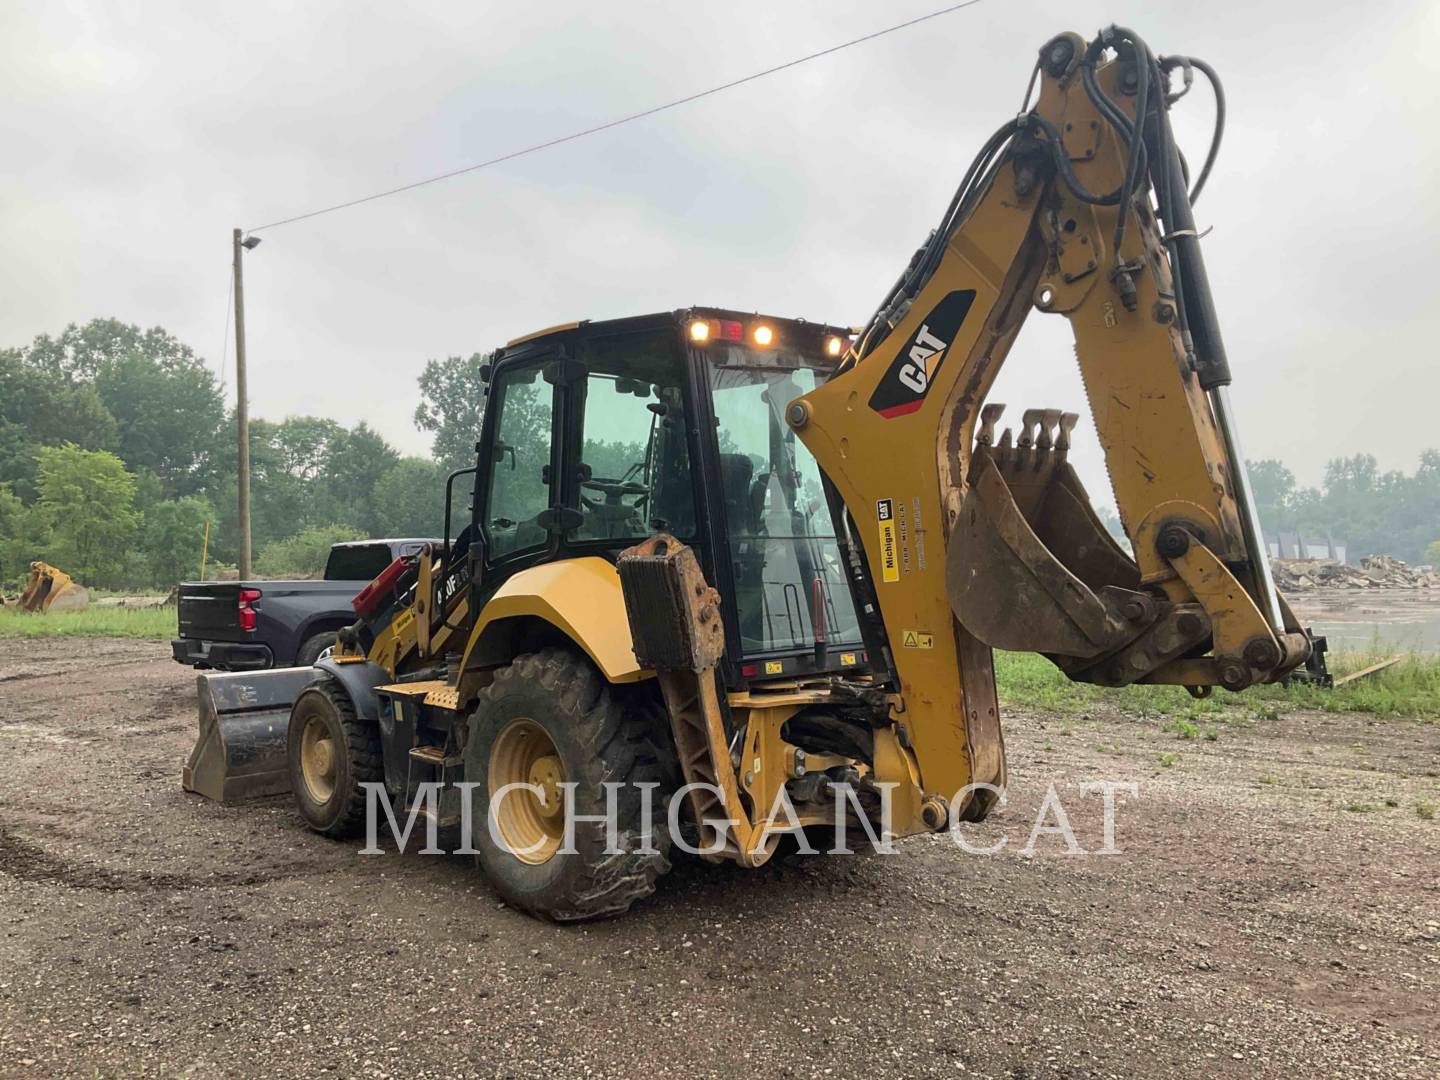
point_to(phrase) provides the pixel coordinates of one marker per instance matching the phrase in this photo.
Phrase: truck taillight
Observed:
(246, 612)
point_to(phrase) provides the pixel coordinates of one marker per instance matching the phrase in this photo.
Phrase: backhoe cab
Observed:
(769, 561)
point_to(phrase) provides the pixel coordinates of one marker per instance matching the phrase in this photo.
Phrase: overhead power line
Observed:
(616, 123)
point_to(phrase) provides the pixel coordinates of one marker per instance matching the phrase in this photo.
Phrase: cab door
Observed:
(516, 481)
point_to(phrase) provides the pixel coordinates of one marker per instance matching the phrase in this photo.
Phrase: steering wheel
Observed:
(613, 490)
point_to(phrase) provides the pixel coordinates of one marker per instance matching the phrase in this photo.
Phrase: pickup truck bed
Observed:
(249, 625)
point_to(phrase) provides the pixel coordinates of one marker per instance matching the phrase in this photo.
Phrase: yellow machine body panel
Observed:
(581, 597)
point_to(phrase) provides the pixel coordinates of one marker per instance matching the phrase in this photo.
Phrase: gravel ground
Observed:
(1258, 922)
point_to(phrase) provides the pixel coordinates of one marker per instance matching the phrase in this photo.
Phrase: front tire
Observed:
(331, 752)
(547, 719)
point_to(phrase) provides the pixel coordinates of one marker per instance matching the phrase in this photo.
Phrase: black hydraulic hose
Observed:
(1165, 185)
(1219, 91)
(1101, 100)
(1192, 285)
(1140, 57)
(1067, 170)
(922, 267)
(956, 211)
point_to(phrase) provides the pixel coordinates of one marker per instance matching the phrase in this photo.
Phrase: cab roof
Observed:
(795, 329)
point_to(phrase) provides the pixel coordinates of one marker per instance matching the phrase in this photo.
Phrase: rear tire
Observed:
(552, 715)
(312, 647)
(330, 752)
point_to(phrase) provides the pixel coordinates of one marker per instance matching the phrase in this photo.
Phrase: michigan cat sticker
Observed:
(889, 557)
(903, 387)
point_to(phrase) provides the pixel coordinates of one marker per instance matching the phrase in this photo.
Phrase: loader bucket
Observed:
(244, 717)
(49, 589)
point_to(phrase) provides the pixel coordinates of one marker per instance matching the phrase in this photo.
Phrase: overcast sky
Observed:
(136, 135)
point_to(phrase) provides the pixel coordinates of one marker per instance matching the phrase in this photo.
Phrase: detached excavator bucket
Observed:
(244, 717)
(49, 589)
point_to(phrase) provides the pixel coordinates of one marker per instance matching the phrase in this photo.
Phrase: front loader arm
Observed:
(972, 541)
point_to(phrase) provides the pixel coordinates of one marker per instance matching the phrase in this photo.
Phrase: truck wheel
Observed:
(547, 719)
(312, 647)
(331, 752)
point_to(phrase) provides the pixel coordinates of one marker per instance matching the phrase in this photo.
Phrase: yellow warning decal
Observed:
(774, 667)
(847, 658)
(889, 564)
(402, 622)
(917, 639)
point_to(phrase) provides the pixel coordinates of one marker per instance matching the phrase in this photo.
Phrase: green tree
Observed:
(305, 444)
(45, 408)
(452, 403)
(19, 544)
(172, 539)
(86, 499)
(166, 406)
(1274, 487)
(1432, 553)
(356, 462)
(304, 554)
(409, 500)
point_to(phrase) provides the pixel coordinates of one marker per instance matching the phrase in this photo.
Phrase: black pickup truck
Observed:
(248, 625)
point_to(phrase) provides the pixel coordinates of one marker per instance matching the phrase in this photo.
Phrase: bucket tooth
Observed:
(1067, 425)
(1029, 424)
(1051, 428)
(989, 415)
(1007, 439)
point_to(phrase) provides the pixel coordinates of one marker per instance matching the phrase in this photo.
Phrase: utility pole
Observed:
(242, 407)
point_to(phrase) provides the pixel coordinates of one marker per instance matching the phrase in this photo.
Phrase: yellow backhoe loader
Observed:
(49, 589)
(769, 559)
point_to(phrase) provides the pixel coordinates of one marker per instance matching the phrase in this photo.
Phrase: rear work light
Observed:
(245, 613)
(368, 599)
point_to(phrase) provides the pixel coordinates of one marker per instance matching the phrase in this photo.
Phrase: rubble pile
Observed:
(1374, 572)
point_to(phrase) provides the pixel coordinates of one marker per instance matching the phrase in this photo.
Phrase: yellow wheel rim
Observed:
(318, 759)
(531, 826)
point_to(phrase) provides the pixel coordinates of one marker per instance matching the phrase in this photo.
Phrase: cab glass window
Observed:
(634, 460)
(519, 489)
(790, 586)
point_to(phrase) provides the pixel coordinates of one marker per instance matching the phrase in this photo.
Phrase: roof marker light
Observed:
(699, 330)
(763, 335)
(834, 346)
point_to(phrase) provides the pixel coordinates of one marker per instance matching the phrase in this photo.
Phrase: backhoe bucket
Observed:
(244, 718)
(1029, 566)
(49, 589)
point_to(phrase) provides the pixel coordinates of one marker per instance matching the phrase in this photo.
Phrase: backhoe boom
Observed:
(974, 541)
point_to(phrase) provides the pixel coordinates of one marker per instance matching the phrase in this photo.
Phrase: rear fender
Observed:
(580, 599)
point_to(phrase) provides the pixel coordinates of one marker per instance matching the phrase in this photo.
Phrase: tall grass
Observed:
(1409, 688)
(154, 623)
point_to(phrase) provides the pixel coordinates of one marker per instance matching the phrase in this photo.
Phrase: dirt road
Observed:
(1253, 925)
